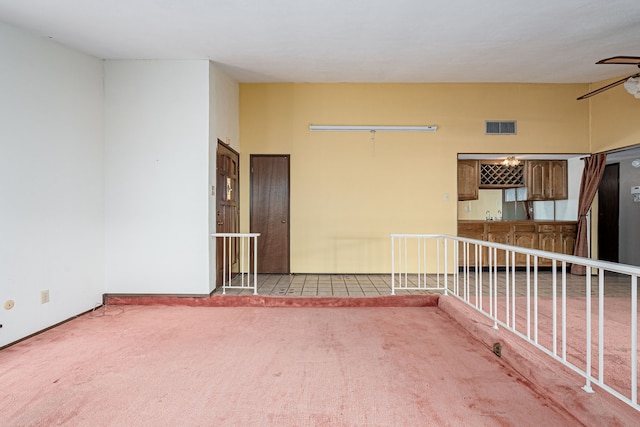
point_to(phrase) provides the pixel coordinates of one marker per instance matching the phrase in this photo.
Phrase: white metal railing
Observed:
(239, 255)
(426, 251)
(532, 294)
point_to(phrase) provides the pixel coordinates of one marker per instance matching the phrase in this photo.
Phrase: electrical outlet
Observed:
(44, 296)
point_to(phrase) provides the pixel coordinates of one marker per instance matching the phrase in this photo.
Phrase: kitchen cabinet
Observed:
(547, 237)
(568, 235)
(468, 179)
(525, 236)
(551, 236)
(472, 231)
(499, 232)
(546, 179)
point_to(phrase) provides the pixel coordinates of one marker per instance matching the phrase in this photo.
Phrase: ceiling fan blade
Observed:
(625, 60)
(607, 87)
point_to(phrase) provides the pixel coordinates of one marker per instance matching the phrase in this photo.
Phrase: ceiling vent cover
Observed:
(500, 128)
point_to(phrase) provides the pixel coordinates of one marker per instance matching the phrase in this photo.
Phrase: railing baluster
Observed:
(528, 297)
(479, 273)
(564, 311)
(507, 299)
(495, 291)
(513, 289)
(601, 325)
(634, 339)
(554, 310)
(587, 386)
(393, 265)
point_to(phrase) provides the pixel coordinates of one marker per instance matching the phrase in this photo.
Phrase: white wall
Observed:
(157, 143)
(226, 97)
(51, 182)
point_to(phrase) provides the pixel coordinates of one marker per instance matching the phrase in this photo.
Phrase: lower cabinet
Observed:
(470, 251)
(568, 235)
(525, 236)
(556, 237)
(547, 241)
(499, 232)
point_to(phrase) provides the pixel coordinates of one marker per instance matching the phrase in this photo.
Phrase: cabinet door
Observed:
(471, 231)
(499, 233)
(525, 239)
(546, 179)
(546, 241)
(468, 179)
(557, 183)
(568, 237)
(535, 179)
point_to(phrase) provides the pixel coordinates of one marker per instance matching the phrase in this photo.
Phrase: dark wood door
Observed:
(270, 211)
(608, 213)
(227, 206)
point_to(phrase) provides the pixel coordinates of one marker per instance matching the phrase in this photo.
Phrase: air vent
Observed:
(500, 128)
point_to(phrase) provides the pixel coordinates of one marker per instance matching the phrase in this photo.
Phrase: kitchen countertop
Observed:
(528, 221)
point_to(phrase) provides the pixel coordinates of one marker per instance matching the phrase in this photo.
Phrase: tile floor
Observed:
(360, 285)
(340, 285)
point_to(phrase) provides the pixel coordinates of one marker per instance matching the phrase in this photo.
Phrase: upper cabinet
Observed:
(546, 179)
(468, 179)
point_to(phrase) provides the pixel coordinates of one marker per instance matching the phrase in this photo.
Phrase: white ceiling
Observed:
(555, 41)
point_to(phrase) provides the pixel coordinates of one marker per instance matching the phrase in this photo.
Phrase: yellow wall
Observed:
(615, 118)
(348, 194)
(488, 200)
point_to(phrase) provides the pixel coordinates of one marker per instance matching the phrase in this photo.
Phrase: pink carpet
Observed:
(617, 333)
(159, 365)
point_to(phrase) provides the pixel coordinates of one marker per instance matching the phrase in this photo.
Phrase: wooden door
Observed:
(270, 211)
(608, 212)
(227, 205)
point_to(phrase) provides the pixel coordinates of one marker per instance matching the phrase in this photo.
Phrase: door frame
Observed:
(609, 214)
(218, 264)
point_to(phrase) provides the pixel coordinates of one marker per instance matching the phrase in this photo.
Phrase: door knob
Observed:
(220, 223)
(284, 221)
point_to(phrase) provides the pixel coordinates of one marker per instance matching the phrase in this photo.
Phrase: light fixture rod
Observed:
(315, 128)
